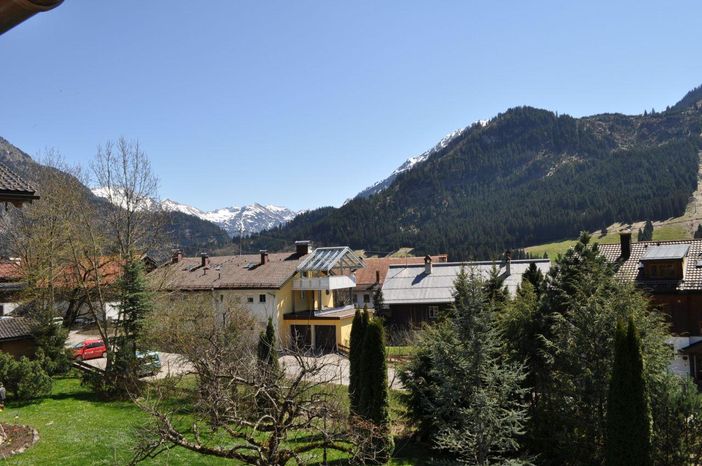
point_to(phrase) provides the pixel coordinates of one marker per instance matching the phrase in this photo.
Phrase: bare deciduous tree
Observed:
(268, 417)
(123, 171)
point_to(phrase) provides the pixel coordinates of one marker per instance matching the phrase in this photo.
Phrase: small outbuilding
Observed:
(16, 337)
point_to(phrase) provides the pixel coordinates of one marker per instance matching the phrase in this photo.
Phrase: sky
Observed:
(305, 103)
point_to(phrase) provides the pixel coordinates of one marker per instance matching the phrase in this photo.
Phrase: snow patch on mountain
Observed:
(414, 160)
(121, 199)
(249, 219)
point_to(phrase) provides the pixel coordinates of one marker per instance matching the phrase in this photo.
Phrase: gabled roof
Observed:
(366, 276)
(13, 188)
(15, 328)
(226, 272)
(326, 259)
(628, 270)
(412, 285)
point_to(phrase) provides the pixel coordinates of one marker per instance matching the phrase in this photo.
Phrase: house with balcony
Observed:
(323, 308)
(670, 272)
(306, 293)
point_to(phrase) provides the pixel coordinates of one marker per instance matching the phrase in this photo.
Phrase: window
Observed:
(366, 298)
(2, 309)
(433, 312)
(94, 344)
(262, 298)
(663, 270)
(249, 299)
(221, 298)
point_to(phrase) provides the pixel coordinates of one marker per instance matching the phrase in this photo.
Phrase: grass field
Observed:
(75, 428)
(399, 351)
(665, 232)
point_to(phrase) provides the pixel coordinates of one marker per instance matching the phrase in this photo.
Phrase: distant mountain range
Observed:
(527, 176)
(234, 220)
(249, 218)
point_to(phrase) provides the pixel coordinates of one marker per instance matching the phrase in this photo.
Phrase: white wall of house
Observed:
(261, 303)
(7, 308)
(359, 298)
(680, 364)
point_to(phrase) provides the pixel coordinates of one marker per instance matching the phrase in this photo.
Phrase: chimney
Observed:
(177, 256)
(302, 248)
(377, 276)
(205, 259)
(427, 265)
(625, 243)
(264, 256)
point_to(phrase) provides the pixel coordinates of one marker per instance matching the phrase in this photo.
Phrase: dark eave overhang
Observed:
(13, 12)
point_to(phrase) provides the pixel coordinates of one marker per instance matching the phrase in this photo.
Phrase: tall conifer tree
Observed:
(628, 410)
(358, 335)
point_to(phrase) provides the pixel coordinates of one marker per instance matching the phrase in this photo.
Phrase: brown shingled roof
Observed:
(226, 272)
(14, 328)
(9, 271)
(13, 188)
(628, 270)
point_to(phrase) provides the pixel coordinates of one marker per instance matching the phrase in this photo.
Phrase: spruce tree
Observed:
(373, 403)
(628, 409)
(378, 301)
(647, 233)
(135, 304)
(358, 334)
(267, 352)
(534, 276)
(582, 303)
(461, 390)
(135, 299)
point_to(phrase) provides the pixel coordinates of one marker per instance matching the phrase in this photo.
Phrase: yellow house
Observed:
(307, 294)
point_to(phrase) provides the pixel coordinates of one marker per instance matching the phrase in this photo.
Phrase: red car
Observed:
(89, 349)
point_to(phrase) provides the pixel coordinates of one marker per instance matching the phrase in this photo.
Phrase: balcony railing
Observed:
(324, 283)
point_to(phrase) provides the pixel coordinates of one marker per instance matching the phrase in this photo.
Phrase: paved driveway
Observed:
(335, 370)
(171, 363)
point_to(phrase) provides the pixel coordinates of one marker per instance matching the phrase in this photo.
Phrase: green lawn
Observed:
(670, 232)
(75, 428)
(399, 351)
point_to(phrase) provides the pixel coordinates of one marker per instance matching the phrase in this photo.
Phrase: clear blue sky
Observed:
(304, 103)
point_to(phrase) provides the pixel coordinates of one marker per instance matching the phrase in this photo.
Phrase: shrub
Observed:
(24, 378)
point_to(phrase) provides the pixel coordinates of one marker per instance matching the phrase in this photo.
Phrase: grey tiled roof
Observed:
(629, 270)
(12, 183)
(665, 251)
(12, 328)
(409, 284)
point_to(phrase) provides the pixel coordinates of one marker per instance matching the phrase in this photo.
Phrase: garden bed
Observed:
(18, 439)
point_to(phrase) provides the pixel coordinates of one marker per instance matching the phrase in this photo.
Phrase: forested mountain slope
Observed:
(528, 176)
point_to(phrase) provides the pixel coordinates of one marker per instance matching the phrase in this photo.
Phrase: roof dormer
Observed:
(665, 262)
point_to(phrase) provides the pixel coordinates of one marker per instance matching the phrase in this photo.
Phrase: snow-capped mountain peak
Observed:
(234, 220)
(414, 160)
